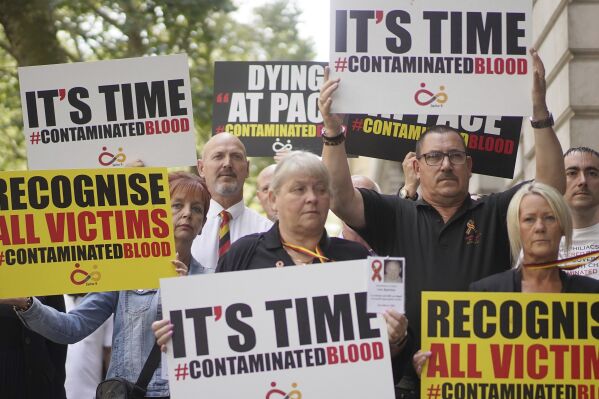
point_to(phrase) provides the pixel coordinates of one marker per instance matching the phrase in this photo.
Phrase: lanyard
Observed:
(565, 263)
(315, 254)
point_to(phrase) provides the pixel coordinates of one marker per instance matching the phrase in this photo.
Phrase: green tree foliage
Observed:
(37, 32)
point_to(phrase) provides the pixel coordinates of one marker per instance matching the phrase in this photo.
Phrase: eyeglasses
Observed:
(435, 158)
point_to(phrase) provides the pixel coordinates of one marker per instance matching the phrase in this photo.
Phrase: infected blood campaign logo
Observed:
(80, 276)
(472, 235)
(280, 146)
(109, 159)
(275, 393)
(425, 97)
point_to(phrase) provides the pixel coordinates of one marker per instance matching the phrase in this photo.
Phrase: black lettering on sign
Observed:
(438, 323)
(456, 33)
(109, 100)
(31, 101)
(361, 17)
(199, 327)
(157, 189)
(514, 34)
(48, 97)
(484, 33)
(85, 113)
(405, 40)
(141, 195)
(61, 191)
(279, 309)
(152, 99)
(483, 309)
(249, 336)
(460, 318)
(595, 316)
(435, 18)
(303, 321)
(536, 327)
(332, 320)
(510, 313)
(341, 31)
(85, 195)
(365, 330)
(127, 96)
(563, 320)
(176, 319)
(175, 97)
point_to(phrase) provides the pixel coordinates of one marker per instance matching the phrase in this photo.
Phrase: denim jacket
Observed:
(132, 338)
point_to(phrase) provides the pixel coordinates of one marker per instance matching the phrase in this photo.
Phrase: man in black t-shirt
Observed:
(448, 240)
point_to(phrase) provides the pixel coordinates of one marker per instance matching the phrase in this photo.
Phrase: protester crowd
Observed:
(507, 241)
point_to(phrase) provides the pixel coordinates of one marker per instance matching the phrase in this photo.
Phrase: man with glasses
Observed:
(447, 239)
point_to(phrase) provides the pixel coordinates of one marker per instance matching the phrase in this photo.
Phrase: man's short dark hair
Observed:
(584, 150)
(440, 129)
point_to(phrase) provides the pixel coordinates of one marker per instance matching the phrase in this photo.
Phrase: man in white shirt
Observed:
(582, 195)
(225, 167)
(87, 359)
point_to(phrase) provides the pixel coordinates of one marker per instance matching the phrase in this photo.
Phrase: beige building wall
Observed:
(566, 33)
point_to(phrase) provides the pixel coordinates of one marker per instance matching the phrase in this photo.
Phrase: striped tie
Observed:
(224, 238)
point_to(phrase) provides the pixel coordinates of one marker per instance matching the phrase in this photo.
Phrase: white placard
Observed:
(298, 331)
(464, 57)
(386, 284)
(108, 113)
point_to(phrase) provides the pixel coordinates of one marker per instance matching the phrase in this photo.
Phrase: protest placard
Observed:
(75, 231)
(510, 345)
(431, 56)
(491, 141)
(106, 113)
(270, 106)
(292, 332)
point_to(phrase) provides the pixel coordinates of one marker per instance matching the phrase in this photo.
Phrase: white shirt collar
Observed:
(216, 208)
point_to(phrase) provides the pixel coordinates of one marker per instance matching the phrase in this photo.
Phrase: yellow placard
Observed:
(510, 345)
(75, 231)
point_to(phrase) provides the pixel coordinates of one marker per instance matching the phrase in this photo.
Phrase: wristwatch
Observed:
(543, 123)
(403, 193)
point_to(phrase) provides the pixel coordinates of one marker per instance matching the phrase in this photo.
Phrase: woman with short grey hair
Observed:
(300, 192)
(296, 162)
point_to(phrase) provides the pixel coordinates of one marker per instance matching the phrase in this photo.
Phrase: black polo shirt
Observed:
(264, 250)
(439, 256)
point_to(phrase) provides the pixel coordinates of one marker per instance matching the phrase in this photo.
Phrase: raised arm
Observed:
(548, 151)
(347, 202)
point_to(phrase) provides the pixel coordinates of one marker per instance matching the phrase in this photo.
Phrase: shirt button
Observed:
(27, 340)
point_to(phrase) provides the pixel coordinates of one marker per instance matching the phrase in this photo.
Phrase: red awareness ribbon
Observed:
(376, 267)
